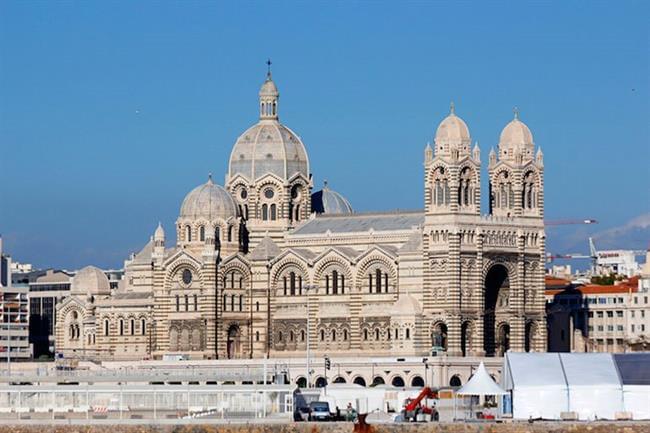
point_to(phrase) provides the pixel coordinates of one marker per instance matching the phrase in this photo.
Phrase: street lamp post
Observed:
(308, 377)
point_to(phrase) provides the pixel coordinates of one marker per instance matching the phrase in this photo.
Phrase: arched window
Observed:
(202, 234)
(178, 303)
(121, 327)
(302, 335)
(376, 334)
(241, 302)
(345, 335)
(378, 279)
(217, 235)
(280, 336)
(187, 303)
(273, 212)
(265, 212)
(284, 282)
(143, 327)
(229, 233)
(335, 283)
(292, 283)
(232, 302)
(297, 213)
(196, 302)
(188, 233)
(106, 327)
(407, 333)
(327, 284)
(322, 335)
(132, 326)
(225, 303)
(370, 283)
(333, 334)
(365, 335)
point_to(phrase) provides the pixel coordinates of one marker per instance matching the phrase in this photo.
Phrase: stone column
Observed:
(478, 348)
(453, 295)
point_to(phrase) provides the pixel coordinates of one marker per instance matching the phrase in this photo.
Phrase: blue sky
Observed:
(110, 112)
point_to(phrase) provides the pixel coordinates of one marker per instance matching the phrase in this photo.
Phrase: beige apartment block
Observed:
(264, 266)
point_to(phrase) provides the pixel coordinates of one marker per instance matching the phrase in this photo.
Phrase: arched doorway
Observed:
(503, 342)
(301, 382)
(359, 381)
(321, 382)
(530, 332)
(439, 337)
(497, 287)
(417, 381)
(378, 380)
(397, 382)
(455, 381)
(339, 380)
(465, 337)
(234, 342)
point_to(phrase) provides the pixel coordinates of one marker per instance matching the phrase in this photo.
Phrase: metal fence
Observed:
(145, 401)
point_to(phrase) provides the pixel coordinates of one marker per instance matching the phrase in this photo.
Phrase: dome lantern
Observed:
(269, 96)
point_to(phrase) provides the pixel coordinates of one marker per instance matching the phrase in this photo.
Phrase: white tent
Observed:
(481, 384)
(539, 389)
(634, 370)
(595, 390)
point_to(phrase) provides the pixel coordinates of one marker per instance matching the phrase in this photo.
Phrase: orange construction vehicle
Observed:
(415, 406)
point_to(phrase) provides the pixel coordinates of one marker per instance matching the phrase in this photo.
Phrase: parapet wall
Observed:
(538, 427)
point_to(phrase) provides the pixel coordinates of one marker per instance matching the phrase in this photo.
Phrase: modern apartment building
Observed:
(595, 318)
(14, 315)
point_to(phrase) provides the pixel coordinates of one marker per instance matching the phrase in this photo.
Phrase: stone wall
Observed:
(538, 427)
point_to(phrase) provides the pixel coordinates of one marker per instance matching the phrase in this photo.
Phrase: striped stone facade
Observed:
(255, 274)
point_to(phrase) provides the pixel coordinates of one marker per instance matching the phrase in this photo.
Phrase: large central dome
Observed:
(268, 147)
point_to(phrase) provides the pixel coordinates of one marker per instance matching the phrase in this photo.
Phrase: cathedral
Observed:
(264, 266)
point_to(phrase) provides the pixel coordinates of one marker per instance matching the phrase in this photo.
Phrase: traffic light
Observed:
(328, 363)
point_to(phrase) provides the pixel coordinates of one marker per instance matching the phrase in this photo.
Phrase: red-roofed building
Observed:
(597, 318)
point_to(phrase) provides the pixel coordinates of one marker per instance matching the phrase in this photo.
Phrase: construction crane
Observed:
(550, 257)
(569, 222)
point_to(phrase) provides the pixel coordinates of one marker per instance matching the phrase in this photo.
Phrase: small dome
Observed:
(516, 134)
(269, 88)
(330, 202)
(406, 305)
(452, 130)
(208, 201)
(159, 234)
(90, 281)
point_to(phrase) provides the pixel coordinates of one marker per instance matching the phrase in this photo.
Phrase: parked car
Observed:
(319, 411)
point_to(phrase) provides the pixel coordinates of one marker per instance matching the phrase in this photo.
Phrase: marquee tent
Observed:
(539, 389)
(547, 384)
(595, 390)
(634, 370)
(481, 384)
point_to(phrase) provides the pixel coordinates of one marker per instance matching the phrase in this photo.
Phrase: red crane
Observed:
(413, 407)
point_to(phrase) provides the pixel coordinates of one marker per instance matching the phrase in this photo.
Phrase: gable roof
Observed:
(265, 250)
